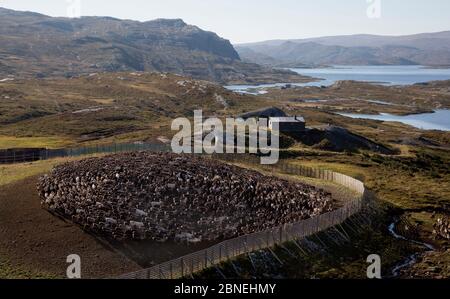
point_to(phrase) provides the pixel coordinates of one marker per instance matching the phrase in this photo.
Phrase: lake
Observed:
(439, 120)
(385, 75)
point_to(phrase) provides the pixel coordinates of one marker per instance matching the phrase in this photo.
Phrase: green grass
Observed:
(32, 142)
(16, 172)
(9, 272)
(346, 169)
(418, 182)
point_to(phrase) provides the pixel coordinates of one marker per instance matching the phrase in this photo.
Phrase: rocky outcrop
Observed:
(174, 197)
(441, 229)
(333, 138)
(264, 113)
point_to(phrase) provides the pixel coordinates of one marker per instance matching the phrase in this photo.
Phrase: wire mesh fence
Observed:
(12, 156)
(229, 249)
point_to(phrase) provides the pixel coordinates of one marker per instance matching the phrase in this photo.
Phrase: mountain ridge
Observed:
(33, 44)
(432, 49)
(445, 33)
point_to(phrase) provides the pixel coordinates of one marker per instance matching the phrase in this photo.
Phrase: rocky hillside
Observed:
(106, 104)
(32, 44)
(431, 49)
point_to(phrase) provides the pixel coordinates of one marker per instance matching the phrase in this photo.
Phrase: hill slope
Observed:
(32, 44)
(425, 49)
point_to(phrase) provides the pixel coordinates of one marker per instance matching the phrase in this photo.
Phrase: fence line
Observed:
(226, 250)
(229, 249)
(13, 156)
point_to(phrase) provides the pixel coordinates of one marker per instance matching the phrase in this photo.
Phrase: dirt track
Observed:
(34, 240)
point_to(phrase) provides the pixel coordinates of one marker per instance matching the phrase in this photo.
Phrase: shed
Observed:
(288, 124)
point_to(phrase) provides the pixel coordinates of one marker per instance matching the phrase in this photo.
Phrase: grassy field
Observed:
(9, 272)
(396, 180)
(129, 107)
(88, 109)
(16, 172)
(33, 142)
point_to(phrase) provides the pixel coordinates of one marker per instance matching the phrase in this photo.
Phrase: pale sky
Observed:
(256, 20)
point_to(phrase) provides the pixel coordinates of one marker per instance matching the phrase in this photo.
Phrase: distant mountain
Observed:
(256, 57)
(32, 44)
(431, 49)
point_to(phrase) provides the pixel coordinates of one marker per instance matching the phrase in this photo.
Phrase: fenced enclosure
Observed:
(12, 156)
(20, 155)
(232, 248)
(229, 249)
